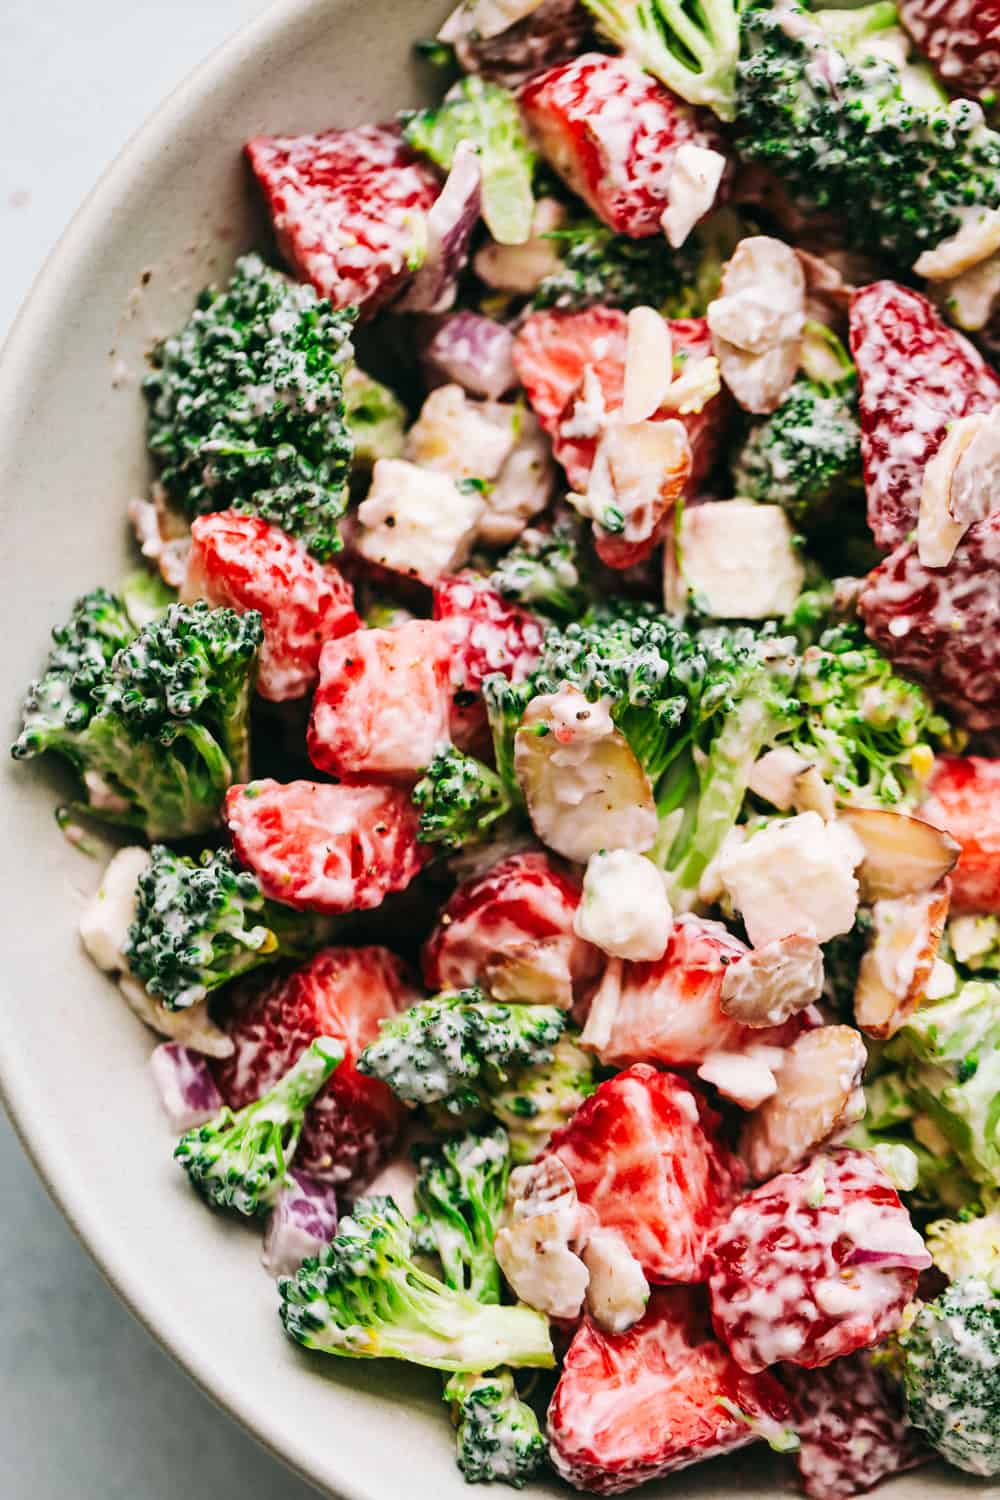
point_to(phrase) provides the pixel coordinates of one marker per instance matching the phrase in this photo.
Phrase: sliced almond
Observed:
(762, 298)
(768, 985)
(536, 972)
(758, 381)
(775, 774)
(939, 531)
(812, 794)
(648, 364)
(694, 182)
(543, 1187)
(584, 788)
(819, 1095)
(898, 963)
(975, 482)
(603, 1009)
(975, 242)
(618, 1291)
(971, 297)
(640, 470)
(903, 855)
(540, 1266)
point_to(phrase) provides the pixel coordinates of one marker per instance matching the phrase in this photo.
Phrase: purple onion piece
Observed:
(919, 1260)
(185, 1085)
(474, 352)
(450, 222)
(303, 1221)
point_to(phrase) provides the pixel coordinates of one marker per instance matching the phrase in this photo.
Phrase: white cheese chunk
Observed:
(625, 910)
(417, 522)
(618, 1291)
(691, 190)
(460, 436)
(737, 559)
(795, 875)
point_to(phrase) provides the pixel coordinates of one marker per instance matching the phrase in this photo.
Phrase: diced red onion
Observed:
(919, 1260)
(450, 222)
(186, 1087)
(475, 352)
(303, 1221)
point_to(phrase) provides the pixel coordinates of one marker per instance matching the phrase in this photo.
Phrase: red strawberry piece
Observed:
(851, 1428)
(346, 206)
(646, 1155)
(939, 625)
(242, 562)
(814, 1265)
(519, 911)
(964, 799)
(381, 708)
(353, 1124)
(612, 132)
(961, 38)
(916, 374)
(631, 1407)
(552, 353)
(325, 848)
(487, 635)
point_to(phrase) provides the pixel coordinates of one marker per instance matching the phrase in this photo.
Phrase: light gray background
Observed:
(90, 1407)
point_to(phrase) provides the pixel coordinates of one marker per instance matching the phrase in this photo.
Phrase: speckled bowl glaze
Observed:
(171, 214)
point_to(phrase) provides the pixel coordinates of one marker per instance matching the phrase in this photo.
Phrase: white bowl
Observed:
(171, 214)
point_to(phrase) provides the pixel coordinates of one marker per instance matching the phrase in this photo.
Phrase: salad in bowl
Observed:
(553, 735)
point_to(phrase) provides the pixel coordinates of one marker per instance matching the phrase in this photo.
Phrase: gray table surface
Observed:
(90, 1407)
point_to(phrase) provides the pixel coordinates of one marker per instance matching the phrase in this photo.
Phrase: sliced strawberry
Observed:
(347, 208)
(851, 1428)
(631, 1407)
(646, 1155)
(518, 914)
(612, 132)
(242, 562)
(814, 1265)
(487, 635)
(916, 374)
(381, 708)
(964, 799)
(962, 40)
(353, 1123)
(552, 354)
(325, 848)
(939, 625)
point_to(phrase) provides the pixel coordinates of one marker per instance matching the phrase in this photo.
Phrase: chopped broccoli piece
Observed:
(241, 1160)
(499, 1441)
(545, 571)
(376, 417)
(488, 115)
(460, 800)
(967, 1247)
(159, 731)
(951, 1375)
(456, 1049)
(537, 1100)
(364, 1297)
(828, 102)
(460, 1195)
(246, 406)
(693, 49)
(200, 923)
(973, 943)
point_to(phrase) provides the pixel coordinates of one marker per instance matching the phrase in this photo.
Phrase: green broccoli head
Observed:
(376, 418)
(458, 1049)
(200, 923)
(821, 102)
(159, 731)
(909, 1144)
(488, 115)
(460, 800)
(460, 1194)
(365, 1297)
(499, 1441)
(546, 571)
(806, 456)
(951, 1375)
(540, 1099)
(693, 49)
(240, 1161)
(246, 406)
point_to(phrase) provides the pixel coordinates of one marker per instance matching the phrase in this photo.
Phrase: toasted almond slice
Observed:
(758, 381)
(898, 963)
(543, 1271)
(583, 785)
(648, 364)
(939, 531)
(603, 1008)
(618, 1291)
(975, 242)
(536, 972)
(819, 1095)
(903, 855)
(971, 297)
(763, 297)
(975, 482)
(768, 985)
(648, 465)
(543, 1187)
(694, 182)
(812, 794)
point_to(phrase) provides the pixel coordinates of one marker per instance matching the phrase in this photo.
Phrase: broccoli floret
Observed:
(488, 115)
(871, 733)
(460, 1195)
(973, 943)
(546, 571)
(693, 49)
(830, 104)
(460, 800)
(457, 1049)
(241, 1160)
(498, 1436)
(951, 1375)
(200, 923)
(376, 417)
(538, 1100)
(364, 1297)
(895, 1123)
(246, 406)
(146, 597)
(161, 730)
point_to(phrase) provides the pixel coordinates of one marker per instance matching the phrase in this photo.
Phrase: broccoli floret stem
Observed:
(498, 1436)
(460, 1194)
(695, 56)
(460, 799)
